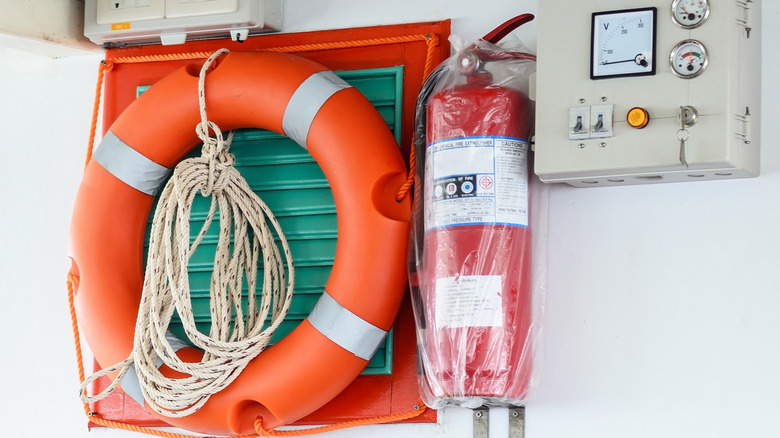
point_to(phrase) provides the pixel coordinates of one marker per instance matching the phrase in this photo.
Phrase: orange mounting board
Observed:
(122, 79)
(369, 395)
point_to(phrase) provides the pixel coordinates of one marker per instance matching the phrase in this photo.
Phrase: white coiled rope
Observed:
(236, 336)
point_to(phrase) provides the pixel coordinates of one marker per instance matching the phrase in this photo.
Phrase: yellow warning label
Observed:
(120, 26)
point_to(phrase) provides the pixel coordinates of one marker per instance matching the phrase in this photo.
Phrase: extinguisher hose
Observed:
(417, 236)
(420, 144)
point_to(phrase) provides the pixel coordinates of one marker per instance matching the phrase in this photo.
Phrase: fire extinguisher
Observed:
(472, 281)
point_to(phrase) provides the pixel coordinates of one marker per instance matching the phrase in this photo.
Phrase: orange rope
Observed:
(104, 67)
(162, 57)
(284, 49)
(351, 44)
(71, 282)
(150, 431)
(432, 41)
(418, 410)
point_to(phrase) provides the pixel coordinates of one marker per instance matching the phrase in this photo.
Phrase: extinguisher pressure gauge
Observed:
(623, 43)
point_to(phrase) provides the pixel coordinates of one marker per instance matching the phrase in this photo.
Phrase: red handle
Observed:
(508, 26)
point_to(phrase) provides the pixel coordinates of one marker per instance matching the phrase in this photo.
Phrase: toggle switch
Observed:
(602, 121)
(599, 126)
(579, 123)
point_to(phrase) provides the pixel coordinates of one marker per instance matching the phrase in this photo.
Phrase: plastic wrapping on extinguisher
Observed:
(478, 260)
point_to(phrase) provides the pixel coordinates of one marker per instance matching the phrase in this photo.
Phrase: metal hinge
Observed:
(744, 17)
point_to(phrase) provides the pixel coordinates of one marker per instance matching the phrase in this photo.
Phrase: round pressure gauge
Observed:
(688, 59)
(690, 13)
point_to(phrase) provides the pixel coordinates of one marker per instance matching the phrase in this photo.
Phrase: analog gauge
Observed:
(690, 13)
(688, 59)
(623, 43)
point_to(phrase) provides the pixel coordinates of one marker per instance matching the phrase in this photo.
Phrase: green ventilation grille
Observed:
(288, 179)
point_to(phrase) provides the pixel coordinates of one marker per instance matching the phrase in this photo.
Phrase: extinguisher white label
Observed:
(476, 180)
(469, 301)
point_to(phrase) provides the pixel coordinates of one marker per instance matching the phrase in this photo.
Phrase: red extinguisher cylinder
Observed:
(477, 282)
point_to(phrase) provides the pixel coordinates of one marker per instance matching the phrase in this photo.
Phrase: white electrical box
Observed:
(120, 22)
(647, 91)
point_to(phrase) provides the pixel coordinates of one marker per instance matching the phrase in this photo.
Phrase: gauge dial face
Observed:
(689, 59)
(690, 13)
(623, 43)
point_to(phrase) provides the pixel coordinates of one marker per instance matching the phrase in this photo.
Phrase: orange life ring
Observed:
(361, 160)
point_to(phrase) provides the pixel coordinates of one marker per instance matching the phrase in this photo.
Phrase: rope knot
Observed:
(217, 156)
(215, 148)
(211, 145)
(214, 174)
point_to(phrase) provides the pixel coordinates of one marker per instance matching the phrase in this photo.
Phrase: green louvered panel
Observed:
(288, 179)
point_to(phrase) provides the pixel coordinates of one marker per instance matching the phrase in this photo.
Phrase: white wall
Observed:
(51, 27)
(661, 316)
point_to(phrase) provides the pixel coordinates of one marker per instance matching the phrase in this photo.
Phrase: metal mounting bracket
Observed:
(517, 422)
(480, 418)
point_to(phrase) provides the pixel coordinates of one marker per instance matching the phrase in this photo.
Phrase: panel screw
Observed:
(416, 407)
(603, 98)
(582, 145)
(603, 144)
(582, 100)
(478, 414)
(515, 414)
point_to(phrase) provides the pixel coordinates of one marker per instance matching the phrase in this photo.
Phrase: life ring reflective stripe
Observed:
(330, 318)
(349, 331)
(130, 384)
(362, 162)
(130, 166)
(306, 102)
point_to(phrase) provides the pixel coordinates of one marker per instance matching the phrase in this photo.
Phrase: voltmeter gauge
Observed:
(623, 43)
(690, 13)
(688, 59)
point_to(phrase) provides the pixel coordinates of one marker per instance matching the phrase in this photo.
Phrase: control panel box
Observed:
(647, 91)
(121, 22)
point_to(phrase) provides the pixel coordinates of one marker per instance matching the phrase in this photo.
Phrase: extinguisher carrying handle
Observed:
(487, 55)
(506, 27)
(473, 58)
